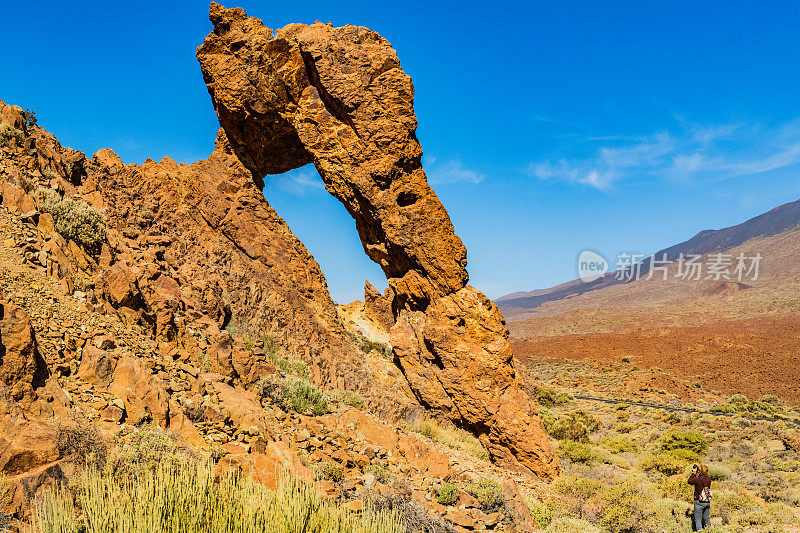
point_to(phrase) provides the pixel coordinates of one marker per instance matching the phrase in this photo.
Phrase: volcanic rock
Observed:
(338, 98)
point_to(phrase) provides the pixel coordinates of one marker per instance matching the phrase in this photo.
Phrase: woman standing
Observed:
(702, 496)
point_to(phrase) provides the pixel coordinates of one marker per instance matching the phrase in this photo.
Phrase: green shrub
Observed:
(575, 425)
(666, 463)
(81, 440)
(548, 397)
(488, 493)
(619, 444)
(29, 116)
(687, 456)
(173, 499)
(719, 472)
(691, 440)
(380, 473)
(448, 494)
(676, 488)
(541, 512)
(581, 488)
(346, 397)
(577, 452)
(293, 393)
(74, 219)
(625, 427)
(330, 471)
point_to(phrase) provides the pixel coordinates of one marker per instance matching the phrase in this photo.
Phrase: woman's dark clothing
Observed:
(699, 483)
(702, 510)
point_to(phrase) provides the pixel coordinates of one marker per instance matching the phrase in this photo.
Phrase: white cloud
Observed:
(452, 171)
(694, 152)
(298, 182)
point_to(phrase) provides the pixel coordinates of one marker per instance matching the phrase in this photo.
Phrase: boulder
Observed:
(97, 366)
(143, 393)
(22, 368)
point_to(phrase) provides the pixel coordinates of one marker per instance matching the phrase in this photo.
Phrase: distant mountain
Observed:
(777, 221)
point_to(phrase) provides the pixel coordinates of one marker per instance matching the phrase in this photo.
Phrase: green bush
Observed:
(548, 397)
(719, 472)
(541, 512)
(575, 425)
(185, 499)
(488, 493)
(666, 463)
(691, 440)
(448, 494)
(29, 116)
(346, 397)
(581, 488)
(577, 452)
(74, 219)
(619, 444)
(330, 471)
(293, 393)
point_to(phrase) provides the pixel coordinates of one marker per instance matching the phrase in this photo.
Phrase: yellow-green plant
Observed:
(183, 498)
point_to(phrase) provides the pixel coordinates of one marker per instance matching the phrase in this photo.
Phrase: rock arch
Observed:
(337, 97)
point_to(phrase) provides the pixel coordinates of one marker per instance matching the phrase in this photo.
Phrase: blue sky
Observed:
(548, 127)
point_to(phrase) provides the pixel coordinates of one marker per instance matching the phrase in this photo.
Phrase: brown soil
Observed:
(754, 356)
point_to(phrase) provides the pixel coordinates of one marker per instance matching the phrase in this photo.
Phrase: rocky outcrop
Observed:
(21, 366)
(337, 98)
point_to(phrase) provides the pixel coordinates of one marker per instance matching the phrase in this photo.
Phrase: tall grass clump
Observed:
(184, 499)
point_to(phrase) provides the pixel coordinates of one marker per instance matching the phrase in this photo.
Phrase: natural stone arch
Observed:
(337, 97)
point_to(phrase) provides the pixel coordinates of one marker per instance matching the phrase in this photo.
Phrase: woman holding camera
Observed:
(702, 496)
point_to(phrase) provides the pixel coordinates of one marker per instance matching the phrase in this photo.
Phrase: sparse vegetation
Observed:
(74, 219)
(7, 134)
(488, 493)
(412, 515)
(380, 473)
(330, 471)
(366, 345)
(346, 397)
(82, 441)
(293, 393)
(447, 494)
(453, 437)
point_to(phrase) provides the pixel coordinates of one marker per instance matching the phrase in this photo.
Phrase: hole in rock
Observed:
(326, 229)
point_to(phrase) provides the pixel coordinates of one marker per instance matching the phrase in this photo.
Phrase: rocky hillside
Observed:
(173, 295)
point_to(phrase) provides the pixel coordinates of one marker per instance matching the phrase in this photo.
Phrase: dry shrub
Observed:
(80, 439)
